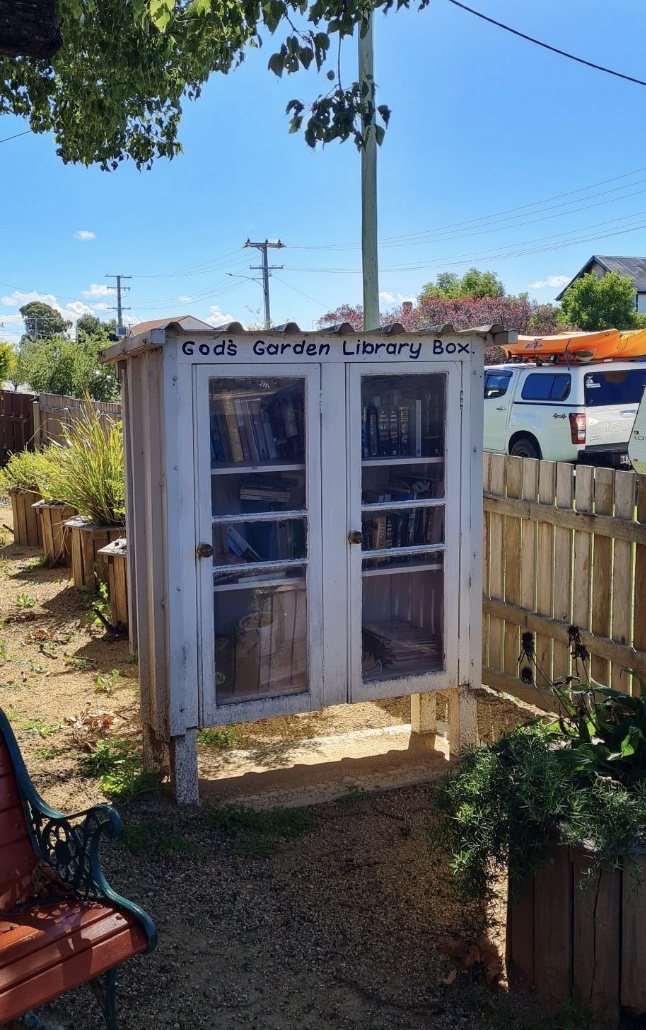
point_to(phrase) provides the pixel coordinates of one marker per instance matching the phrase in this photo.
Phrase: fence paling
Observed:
(16, 423)
(52, 412)
(563, 546)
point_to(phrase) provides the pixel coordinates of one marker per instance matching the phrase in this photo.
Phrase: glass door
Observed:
(404, 504)
(258, 540)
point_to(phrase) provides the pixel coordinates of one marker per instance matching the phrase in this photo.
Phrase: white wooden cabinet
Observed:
(305, 515)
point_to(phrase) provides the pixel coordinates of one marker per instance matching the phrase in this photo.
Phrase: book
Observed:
(417, 450)
(245, 407)
(239, 546)
(242, 429)
(393, 423)
(379, 532)
(233, 432)
(217, 449)
(383, 430)
(402, 417)
(373, 435)
(268, 433)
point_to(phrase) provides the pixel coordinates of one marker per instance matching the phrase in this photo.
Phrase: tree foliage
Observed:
(7, 361)
(606, 302)
(474, 284)
(57, 365)
(116, 86)
(42, 321)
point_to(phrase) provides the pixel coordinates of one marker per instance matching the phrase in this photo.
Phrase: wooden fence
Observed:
(53, 411)
(16, 423)
(563, 546)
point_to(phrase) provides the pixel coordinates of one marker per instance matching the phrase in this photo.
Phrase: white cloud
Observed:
(184, 299)
(84, 235)
(217, 318)
(99, 290)
(554, 282)
(70, 311)
(394, 298)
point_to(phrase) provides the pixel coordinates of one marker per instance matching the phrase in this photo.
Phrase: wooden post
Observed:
(183, 768)
(423, 713)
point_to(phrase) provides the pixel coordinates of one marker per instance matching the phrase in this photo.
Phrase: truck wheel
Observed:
(525, 447)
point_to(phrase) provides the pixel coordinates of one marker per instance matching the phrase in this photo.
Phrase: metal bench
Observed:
(61, 924)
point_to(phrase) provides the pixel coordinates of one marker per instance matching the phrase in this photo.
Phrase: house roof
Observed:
(186, 322)
(635, 267)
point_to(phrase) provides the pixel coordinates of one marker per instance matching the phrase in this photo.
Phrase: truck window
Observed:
(614, 387)
(544, 387)
(496, 384)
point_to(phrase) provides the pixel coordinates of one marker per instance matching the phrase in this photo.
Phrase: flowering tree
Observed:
(526, 316)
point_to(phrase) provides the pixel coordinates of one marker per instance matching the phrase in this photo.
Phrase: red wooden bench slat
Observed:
(13, 827)
(6, 765)
(9, 796)
(17, 863)
(43, 937)
(71, 972)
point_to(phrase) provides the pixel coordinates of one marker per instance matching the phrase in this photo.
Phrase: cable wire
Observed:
(546, 46)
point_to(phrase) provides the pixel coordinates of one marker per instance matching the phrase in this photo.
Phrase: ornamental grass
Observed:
(87, 470)
(25, 470)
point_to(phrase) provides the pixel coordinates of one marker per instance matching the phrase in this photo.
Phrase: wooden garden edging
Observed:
(577, 932)
(85, 541)
(55, 538)
(26, 525)
(563, 546)
(115, 556)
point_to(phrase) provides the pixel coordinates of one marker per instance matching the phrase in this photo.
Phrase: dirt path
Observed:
(334, 927)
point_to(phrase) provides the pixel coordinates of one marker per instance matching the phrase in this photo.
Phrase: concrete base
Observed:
(322, 768)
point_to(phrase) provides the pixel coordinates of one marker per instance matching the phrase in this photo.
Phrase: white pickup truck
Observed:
(577, 412)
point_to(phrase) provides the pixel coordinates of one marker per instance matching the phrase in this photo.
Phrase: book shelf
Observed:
(304, 522)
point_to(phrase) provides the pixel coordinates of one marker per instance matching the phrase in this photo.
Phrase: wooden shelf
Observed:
(232, 467)
(423, 502)
(399, 460)
(394, 570)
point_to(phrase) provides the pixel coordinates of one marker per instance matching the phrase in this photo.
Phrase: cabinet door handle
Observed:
(355, 536)
(204, 551)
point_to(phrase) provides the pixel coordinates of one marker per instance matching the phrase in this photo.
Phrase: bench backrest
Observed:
(17, 857)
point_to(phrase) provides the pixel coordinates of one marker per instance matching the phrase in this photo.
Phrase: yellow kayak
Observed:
(606, 343)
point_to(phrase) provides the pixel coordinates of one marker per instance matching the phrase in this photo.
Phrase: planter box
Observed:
(26, 524)
(86, 540)
(115, 556)
(54, 537)
(578, 931)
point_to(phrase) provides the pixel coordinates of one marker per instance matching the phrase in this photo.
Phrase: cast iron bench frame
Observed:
(66, 850)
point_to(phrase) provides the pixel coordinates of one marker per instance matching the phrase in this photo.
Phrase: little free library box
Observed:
(304, 521)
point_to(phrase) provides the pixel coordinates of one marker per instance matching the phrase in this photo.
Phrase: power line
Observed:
(546, 46)
(7, 138)
(294, 288)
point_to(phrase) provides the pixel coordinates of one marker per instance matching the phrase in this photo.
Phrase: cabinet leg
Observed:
(183, 768)
(463, 719)
(423, 713)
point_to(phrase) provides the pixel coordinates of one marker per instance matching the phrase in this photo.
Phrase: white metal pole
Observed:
(369, 254)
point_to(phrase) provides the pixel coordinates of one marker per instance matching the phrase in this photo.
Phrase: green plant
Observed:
(257, 834)
(23, 471)
(154, 839)
(25, 601)
(38, 726)
(87, 470)
(223, 737)
(580, 779)
(118, 767)
(105, 682)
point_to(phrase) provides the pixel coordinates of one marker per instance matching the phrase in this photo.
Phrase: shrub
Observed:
(87, 470)
(25, 470)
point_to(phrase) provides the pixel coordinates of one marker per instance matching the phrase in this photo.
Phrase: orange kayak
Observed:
(606, 343)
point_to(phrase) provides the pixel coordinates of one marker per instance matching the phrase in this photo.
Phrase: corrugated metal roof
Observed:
(188, 323)
(635, 267)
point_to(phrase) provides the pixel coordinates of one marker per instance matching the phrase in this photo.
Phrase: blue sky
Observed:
(486, 128)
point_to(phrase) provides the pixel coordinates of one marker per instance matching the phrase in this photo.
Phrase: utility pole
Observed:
(369, 251)
(265, 269)
(121, 329)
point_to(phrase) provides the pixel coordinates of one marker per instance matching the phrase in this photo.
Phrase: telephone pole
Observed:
(121, 329)
(369, 250)
(265, 269)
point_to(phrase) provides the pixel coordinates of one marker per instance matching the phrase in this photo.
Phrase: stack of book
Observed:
(255, 427)
(397, 426)
(405, 488)
(399, 648)
(410, 528)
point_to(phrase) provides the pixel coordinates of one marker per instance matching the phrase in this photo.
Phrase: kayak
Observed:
(606, 343)
(596, 346)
